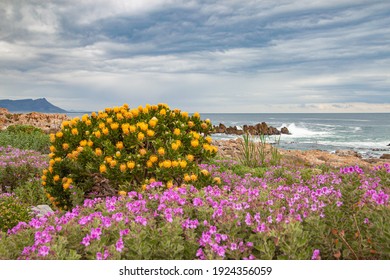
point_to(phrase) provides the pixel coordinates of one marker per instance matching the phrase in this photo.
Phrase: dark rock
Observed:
(285, 130)
(258, 129)
(385, 156)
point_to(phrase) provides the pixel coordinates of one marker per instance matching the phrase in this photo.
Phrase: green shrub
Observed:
(32, 192)
(12, 211)
(121, 149)
(25, 137)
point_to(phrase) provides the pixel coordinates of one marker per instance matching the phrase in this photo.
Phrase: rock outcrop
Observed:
(258, 129)
(47, 122)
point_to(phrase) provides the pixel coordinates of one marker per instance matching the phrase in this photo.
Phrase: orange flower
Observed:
(122, 167)
(119, 145)
(130, 164)
(102, 168)
(98, 152)
(161, 151)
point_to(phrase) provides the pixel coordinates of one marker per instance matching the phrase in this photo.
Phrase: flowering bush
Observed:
(12, 211)
(335, 215)
(120, 149)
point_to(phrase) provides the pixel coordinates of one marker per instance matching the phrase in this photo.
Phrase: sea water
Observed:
(366, 133)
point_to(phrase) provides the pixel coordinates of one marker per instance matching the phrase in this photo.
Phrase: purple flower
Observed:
(86, 240)
(119, 245)
(43, 251)
(316, 255)
(200, 254)
(141, 220)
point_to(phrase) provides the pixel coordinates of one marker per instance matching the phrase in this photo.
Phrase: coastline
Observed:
(231, 148)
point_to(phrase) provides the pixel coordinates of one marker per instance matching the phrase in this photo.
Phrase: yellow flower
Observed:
(187, 178)
(65, 124)
(163, 112)
(204, 172)
(150, 133)
(149, 164)
(143, 126)
(208, 121)
(93, 115)
(122, 193)
(98, 152)
(90, 143)
(217, 180)
(175, 163)
(51, 155)
(43, 183)
(174, 146)
(114, 126)
(44, 171)
(118, 154)
(119, 145)
(154, 107)
(169, 184)
(204, 125)
(52, 137)
(102, 125)
(56, 178)
(153, 158)
(190, 124)
(80, 149)
(132, 128)
(97, 134)
(183, 164)
(142, 152)
(113, 163)
(130, 164)
(209, 139)
(59, 134)
(52, 149)
(105, 131)
(141, 136)
(119, 116)
(161, 151)
(44, 178)
(184, 114)
(66, 186)
(153, 122)
(75, 131)
(122, 167)
(51, 162)
(190, 157)
(83, 143)
(134, 112)
(84, 118)
(57, 159)
(194, 177)
(197, 115)
(176, 131)
(145, 110)
(109, 120)
(195, 143)
(167, 163)
(108, 159)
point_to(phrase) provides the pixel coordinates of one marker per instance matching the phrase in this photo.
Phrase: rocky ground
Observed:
(233, 149)
(47, 122)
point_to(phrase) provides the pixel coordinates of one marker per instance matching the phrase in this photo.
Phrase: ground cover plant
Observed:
(211, 209)
(18, 166)
(336, 215)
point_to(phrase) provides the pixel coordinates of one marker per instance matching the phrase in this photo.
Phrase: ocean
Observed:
(366, 133)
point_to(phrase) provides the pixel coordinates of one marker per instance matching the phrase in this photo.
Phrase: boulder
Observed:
(284, 130)
(41, 210)
(385, 156)
(347, 153)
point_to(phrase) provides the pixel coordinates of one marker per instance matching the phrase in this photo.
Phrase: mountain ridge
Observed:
(30, 105)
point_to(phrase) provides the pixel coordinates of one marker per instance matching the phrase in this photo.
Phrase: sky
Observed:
(232, 56)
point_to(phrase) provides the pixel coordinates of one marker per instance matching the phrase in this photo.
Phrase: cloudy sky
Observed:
(198, 55)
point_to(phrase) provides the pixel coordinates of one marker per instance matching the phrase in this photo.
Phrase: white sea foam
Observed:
(297, 131)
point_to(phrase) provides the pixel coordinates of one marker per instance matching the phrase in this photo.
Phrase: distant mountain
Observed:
(30, 105)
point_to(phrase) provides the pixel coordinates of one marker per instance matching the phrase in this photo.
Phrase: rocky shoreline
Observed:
(227, 148)
(257, 129)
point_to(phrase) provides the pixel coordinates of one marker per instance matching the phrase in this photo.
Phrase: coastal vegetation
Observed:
(256, 206)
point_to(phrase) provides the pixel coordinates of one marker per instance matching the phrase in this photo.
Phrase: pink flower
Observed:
(43, 251)
(119, 245)
(316, 255)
